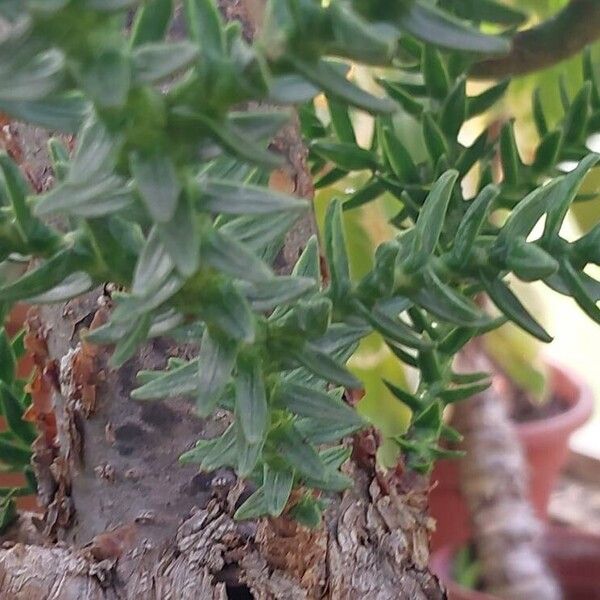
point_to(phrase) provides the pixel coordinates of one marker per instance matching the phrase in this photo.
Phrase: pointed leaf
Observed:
(324, 366)
(251, 399)
(215, 364)
(509, 305)
(277, 487)
(227, 255)
(242, 199)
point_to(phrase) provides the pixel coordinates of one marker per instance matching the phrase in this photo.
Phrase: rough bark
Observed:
(506, 532)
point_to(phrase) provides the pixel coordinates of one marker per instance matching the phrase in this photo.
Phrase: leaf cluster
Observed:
(166, 194)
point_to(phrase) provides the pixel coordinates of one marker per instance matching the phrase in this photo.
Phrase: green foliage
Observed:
(166, 195)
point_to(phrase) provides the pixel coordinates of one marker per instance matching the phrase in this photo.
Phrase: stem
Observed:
(551, 42)
(494, 478)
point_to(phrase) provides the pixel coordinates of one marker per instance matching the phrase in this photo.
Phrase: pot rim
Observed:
(577, 393)
(554, 536)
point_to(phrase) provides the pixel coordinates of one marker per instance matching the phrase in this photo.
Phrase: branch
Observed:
(551, 42)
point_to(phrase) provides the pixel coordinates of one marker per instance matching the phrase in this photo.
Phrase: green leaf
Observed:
(275, 292)
(402, 97)
(292, 89)
(435, 142)
(474, 153)
(72, 286)
(308, 402)
(346, 156)
(458, 394)
(215, 364)
(259, 125)
(153, 267)
(562, 196)
(391, 328)
(372, 190)
(233, 140)
(227, 255)
(399, 157)
(327, 78)
(30, 228)
(471, 225)
(255, 506)
(106, 79)
(308, 512)
(65, 112)
(296, 451)
(14, 453)
(251, 398)
(454, 110)
(436, 27)
(256, 232)
(96, 152)
(127, 346)
(431, 219)
(12, 410)
(277, 487)
(151, 22)
(7, 358)
(309, 263)
(8, 513)
(336, 253)
(84, 197)
(324, 366)
(529, 262)
(341, 121)
(434, 71)
(244, 199)
(479, 104)
(539, 117)
(501, 295)
(511, 163)
(181, 238)
(248, 454)
(41, 76)
(157, 181)
(574, 281)
(168, 384)
(227, 309)
(548, 151)
(155, 62)
(360, 40)
(447, 304)
(215, 453)
(415, 404)
(44, 277)
(525, 216)
(576, 119)
(205, 26)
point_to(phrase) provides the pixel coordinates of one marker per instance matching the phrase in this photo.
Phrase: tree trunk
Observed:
(494, 481)
(123, 519)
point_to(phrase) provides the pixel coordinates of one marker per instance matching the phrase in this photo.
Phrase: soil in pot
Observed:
(574, 557)
(545, 440)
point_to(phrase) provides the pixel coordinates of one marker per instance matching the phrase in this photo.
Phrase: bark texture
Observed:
(506, 532)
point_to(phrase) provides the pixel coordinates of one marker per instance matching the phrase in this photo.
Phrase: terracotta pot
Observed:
(573, 556)
(546, 445)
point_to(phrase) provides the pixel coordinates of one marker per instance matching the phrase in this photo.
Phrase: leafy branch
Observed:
(166, 194)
